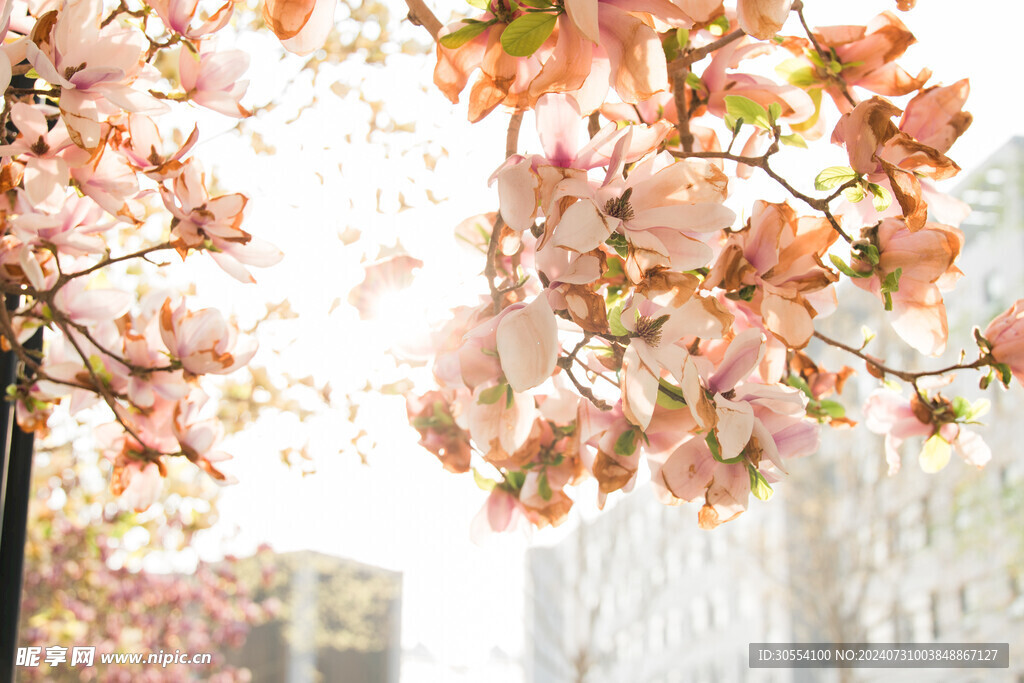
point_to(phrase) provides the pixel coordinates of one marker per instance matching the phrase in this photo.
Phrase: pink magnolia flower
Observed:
(884, 153)
(749, 433)
(527, 343)
(198, 436)
(94, 67)
(303, 26)
(202, 222)
(105, 176)
(211, 79)
(602, 45)
(1006, 335)
(780, 256)
(503, 79)
(203, 341)
(523, 182)
(75, 229)
(663, 312)
(46, 172)
(178, 16)
(925, 260)
(869, 54)
(144, 149)
(501, 512)
(431, 416)
(656, 209)
(502, 429)
(762, 18)
(898, 418)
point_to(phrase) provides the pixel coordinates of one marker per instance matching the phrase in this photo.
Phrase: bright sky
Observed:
(402, 511)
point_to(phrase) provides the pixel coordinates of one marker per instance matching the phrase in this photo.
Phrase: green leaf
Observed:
(868, 252)
(868, 334)
(759, 486)
(720, 26)
(509, 397)
(745, 293)
(695, 82)
(670, 397)
(625, 445)
(536, 4)
(853, 194)
(800, 383)
(479, 4)
(527, 33)
(716, 450)
(617, 241)
(797, 72)
(739, 107)
(833, 409)
(543, 486)
(1005, 375)
(935, 454)
(515, 479)
(682, 38)
(845, 269)
(882, 199)
(457, 39)
(890, 284)
(482, 481)
(489, 396)
(615, 325)
(774, 112)
(793, 140)
(833, 176)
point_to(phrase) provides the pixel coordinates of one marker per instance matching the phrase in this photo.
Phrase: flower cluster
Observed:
(83, 158)
(634, 316)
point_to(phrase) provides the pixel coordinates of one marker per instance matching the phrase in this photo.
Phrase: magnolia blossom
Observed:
(203, 341)
(663, 313)
(1005, 334)
(303, 26)
(658, 209)
(778, 258)
(178, 16)
(201, 219)
(211, 79)
(880, 150)
(868, 54)
(898, 418)
(46, 172)
(95, 68)
(925, 260)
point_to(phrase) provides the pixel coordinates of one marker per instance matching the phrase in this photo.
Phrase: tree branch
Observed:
(420, 15)
(910, 377)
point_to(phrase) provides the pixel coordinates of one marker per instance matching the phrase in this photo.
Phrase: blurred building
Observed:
(843, 553)
(339, 622)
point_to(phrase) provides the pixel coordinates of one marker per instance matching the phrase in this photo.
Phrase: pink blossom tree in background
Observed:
(83, 582)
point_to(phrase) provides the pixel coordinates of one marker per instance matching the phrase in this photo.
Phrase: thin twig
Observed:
(910, 377)
(826, 56)
(420, 15)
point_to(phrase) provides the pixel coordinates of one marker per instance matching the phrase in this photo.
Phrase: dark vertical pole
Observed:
(15, 476)
(14, 496)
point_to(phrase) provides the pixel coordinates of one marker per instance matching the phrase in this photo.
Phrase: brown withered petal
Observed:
(680, 285)
(586, 307)
(610, 473)
(907, 189)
